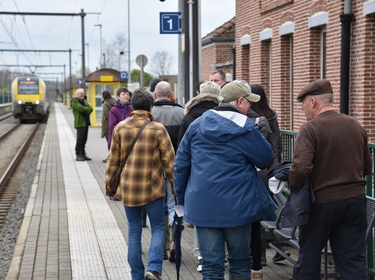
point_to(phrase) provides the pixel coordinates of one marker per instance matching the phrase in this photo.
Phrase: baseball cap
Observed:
(234, 90)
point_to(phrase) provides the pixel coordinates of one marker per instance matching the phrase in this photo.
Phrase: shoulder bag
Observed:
(115, 180)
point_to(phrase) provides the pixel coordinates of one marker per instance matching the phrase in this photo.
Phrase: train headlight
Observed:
(20, 102)
(37, 102)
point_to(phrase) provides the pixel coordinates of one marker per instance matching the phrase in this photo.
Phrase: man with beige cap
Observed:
(332, 150)
(217, 182)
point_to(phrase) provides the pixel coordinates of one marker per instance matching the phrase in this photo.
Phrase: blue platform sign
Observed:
(123, 75)
(170, 23)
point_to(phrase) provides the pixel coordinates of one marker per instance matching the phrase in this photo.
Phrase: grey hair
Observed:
(220, 72)
(80, 89)
(209, 88)
(326, 98)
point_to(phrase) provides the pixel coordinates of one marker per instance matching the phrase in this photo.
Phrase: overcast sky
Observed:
(64, 32)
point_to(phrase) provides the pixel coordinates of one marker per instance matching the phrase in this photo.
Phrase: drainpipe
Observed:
(346, 20)
(234, 61)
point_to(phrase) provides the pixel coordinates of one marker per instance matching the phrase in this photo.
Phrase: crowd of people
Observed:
(211, 157)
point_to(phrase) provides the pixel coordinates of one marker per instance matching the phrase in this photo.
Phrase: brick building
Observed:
(217, 49)
(285, 44)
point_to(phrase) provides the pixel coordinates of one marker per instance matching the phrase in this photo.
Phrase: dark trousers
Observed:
(344, 224)
(82, 133)
(256, 245)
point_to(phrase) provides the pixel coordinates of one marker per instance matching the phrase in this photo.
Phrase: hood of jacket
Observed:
(224, 123)
(200, 99)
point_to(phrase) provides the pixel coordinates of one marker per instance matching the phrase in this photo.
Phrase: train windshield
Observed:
(28, 86)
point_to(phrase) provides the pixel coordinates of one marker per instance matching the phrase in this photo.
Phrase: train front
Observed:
(28, 97)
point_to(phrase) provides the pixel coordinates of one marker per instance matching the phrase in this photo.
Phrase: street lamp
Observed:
(129, 62)
(101, 47)
(119, 59)
(88, 55)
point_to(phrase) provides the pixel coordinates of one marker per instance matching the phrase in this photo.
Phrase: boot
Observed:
(264, 245)
(80, 158)
(86, 157)
(236, 278)
(256, 274)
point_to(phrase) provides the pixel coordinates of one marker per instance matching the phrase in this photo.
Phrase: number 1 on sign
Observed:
(170, 24)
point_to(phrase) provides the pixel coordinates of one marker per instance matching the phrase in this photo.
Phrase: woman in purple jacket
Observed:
(120, 110)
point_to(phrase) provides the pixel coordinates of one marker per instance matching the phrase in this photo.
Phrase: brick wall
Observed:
(213, 54)
(269, 62)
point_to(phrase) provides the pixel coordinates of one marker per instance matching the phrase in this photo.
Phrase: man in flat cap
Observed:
(218, 184)
(332, 150)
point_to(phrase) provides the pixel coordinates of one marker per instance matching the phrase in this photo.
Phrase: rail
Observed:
(8, 131)
(288, 139)
(13, 165)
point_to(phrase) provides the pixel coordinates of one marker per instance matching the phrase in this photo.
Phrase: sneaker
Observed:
(152, 275)
(113, 197)
(256, 274)
(86, 157)
(279, 257)
(80, 158)
(199, 266)
(172, 255)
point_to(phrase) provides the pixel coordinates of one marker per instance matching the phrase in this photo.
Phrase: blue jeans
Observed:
(169, 202)
(155, 212)
(212, 247)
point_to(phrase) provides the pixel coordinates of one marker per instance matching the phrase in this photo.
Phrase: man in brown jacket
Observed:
(142, 182)
(332, 149)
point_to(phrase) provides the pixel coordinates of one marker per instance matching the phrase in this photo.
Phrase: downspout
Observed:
(346, 20)
(234, 60)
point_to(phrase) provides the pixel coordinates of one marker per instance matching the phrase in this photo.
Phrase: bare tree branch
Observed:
(161, 63)
(115, 54)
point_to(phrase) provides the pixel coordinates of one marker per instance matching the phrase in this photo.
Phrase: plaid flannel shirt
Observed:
(142, 179)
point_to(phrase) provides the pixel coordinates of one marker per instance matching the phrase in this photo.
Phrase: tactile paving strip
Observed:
(97, 246)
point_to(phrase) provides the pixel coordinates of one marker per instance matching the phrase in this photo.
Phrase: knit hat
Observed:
(232, 91)
(315, 88)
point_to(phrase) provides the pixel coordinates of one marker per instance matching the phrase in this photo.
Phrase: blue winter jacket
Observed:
(215, 175)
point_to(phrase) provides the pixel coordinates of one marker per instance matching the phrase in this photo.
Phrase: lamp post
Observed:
(101, 47)
(119, 60)
(129, 62)
(88, 55)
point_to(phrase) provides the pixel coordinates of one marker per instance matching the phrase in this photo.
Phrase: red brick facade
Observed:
(217, 50)
(285, 63)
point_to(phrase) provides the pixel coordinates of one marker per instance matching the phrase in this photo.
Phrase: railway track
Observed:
(9, 191)
(8, 131)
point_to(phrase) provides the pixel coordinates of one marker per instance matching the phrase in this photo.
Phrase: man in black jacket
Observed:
(206, 100)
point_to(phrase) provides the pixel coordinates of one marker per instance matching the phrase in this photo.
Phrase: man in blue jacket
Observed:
(217, 182)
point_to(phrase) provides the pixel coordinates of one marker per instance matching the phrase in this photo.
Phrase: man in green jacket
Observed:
(81, 111)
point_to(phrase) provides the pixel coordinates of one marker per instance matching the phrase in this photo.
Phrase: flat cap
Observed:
(232, 91)
(315, 88)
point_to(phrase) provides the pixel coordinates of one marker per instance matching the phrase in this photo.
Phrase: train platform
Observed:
(71, 230)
